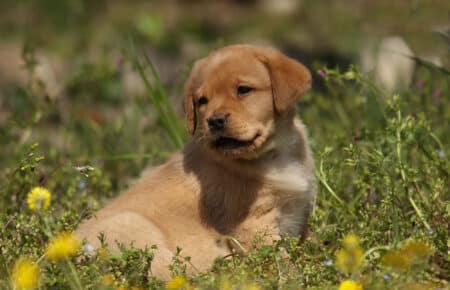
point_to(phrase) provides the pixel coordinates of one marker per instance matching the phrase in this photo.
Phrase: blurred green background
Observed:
(177, 32)
(174, 27)
(66, 69)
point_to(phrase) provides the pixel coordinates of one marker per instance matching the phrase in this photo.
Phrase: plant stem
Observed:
(419, 213)
(371, 250)
(403, 175)
(73, 274)
(321, 175)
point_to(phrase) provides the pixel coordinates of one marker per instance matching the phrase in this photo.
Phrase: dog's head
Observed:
(234, 96)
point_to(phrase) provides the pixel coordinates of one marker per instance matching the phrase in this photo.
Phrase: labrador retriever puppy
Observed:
(246, 171)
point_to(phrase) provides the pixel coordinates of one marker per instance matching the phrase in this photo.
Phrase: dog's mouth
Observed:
(229, 143)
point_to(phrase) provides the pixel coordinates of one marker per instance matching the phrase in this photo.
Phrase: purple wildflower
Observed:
(420, 84)
(322, 73)
(356, 139)
(437, 93)
(119, 61)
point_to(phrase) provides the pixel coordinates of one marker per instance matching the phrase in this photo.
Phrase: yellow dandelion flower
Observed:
(103, 254)
(64, 245)
(349, 261)
(251, 287)
(351, 257)
(176, 283)
(350, 242)
(25, 275)
(108, 279)
(350, 285)
(225, 284)
(397, 261)
(416, 250)
(38, 198)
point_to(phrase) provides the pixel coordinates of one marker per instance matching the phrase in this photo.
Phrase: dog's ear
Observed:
(290, 79)
(191, 85)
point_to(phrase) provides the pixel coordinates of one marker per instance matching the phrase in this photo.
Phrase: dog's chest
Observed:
(288, 189)
(287, 177)
(281, 205)
(276, 199)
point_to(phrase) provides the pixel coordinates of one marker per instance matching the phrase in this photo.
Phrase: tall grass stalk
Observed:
(158, 97)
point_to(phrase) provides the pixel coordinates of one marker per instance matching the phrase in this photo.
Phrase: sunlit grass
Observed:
(380, 222)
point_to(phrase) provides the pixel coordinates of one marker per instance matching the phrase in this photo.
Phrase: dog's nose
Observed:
(217, 122)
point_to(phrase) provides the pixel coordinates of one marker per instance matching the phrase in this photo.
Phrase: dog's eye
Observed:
(242, 90)
(202, 101)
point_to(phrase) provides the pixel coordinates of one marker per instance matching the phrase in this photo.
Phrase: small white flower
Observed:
(88, 249)
(81, 184)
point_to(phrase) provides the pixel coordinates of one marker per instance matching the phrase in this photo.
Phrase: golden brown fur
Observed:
(252, 175)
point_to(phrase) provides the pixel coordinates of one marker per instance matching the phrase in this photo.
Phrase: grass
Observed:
(382, 170)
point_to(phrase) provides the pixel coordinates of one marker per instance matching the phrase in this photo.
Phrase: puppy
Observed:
(246, 171)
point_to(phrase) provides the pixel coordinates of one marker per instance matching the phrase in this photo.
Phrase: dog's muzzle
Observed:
(217, 122)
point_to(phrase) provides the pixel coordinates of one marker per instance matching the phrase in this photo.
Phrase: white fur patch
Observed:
(290, 177)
